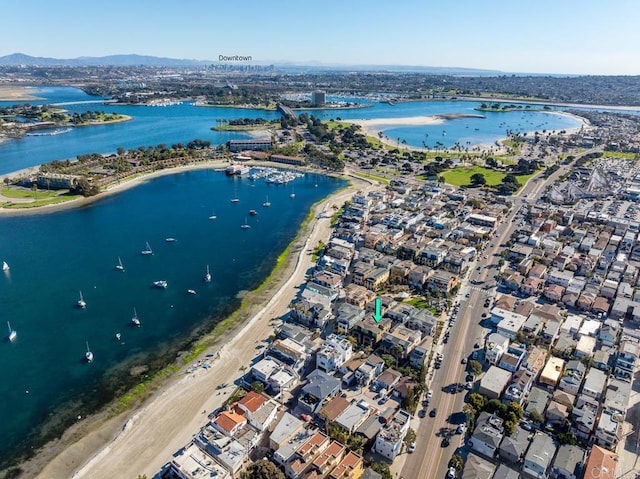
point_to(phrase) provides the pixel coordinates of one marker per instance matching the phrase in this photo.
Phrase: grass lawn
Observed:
(26, 193)
(52, 200)
(619, 154)
(462, 176)
(371, 176)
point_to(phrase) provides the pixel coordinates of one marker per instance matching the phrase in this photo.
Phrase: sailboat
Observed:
(88, 356)
(119, 266)
(118, 336)
(12, 332)
(245, 226)
(207, 276)
(81, 302)
(212, 216)
(147, 250)
(235, 200)
(5, 266)
(293, 193)
(267, 203)
(135, 320)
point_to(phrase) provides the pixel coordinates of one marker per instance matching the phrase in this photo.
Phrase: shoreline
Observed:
(123, 446)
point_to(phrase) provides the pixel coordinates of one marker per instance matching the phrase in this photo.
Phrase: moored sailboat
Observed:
(135, 320)
(12, 332)
(267, 203)
(147, 250)
(245, 226)
(207, 275)
(5, 266)
(119, 266)
(81, 303)
(88, 356)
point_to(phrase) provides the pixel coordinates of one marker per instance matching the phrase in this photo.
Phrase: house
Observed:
(512, 359)
(229, 452)
(350, 467)
(585, 347)
(369, 370)
(259, 410)
(333, 408)
(537, 401)
(609, 429)
(568, 462)
(494, 347)
(626, 360)
(505, 472)
(326, 461)
(552, 372)
(573, 376)
(191, 462)
(285, 429)
(387, 379)
(513, 447)
(519, 387)
(353, 416)
(494, 382)
(320, 387)
(229, 422)
(291, 352)
(565, 398)
(601, 464)
(389, 439)
(442, 281)
(335, 351)
(594, 384)
(539, 456)
(583, 421)
(508, 323)
(306, 454)
(557, 413)
(476, 467)
(487, 434)
(617, 396)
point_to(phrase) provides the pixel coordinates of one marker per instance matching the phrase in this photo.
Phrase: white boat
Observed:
(245, 226)
(162, 284)
(267, 203)
(88, 356)
(191, 291)
(235, 200)
(12, 332)
(118, 336)
(81, 303)
(293, 193)
(5, 266)
(135, 320)
(207, 275)
(119, 266)
(170, 240)
(213, 216)
(147, 250)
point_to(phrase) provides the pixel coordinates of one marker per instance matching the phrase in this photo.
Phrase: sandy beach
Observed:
(142, 441)
(17, 93)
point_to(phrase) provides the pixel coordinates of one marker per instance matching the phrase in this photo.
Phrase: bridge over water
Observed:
(82, 102)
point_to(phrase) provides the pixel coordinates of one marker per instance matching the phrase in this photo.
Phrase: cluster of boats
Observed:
(280, 177)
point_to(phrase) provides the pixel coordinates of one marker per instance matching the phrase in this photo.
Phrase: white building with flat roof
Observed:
(191, 462)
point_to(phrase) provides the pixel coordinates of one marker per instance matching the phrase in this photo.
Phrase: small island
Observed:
(246, 124)
(19, 120)
(505, 107)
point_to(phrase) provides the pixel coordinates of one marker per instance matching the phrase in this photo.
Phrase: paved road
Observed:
(430, 459)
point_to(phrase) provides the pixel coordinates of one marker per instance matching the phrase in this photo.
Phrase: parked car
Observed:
(433, 412)
(412, 447)
(464, 361)
(451, 473)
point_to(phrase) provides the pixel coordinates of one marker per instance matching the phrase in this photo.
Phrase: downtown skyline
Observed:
(574, 38)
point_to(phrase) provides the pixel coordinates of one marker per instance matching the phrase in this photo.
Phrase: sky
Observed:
(513, 36)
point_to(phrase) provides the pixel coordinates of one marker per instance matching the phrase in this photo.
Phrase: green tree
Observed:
(477, 401)
(381, 468)
(536, 417)
(478, 179)
(257, 386)
(456, 462)
(262, 470)
(410, 437)
(509, 427)
(567, 438)
(475, 367)
(516, 409)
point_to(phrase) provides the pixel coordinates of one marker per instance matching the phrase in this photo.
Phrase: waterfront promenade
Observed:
(128, 445)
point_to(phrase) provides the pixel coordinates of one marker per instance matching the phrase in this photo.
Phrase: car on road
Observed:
(446, 441)
(462, 428)
(433, 412)
(469, 378)
(429, 394)
(464, 361)
(422, 413)
(469, 386)
(451, 473)
(477, 345)
(412, 447)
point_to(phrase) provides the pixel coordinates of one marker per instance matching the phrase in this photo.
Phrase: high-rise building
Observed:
(318, 98)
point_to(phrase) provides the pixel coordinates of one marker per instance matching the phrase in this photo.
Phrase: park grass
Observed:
(262, 127)
(26, 193)
(370, 176)
(462, 176)
(52, 200)
(336, 125)
(625, 155)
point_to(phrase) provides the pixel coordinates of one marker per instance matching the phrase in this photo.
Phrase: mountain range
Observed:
(21, 59)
